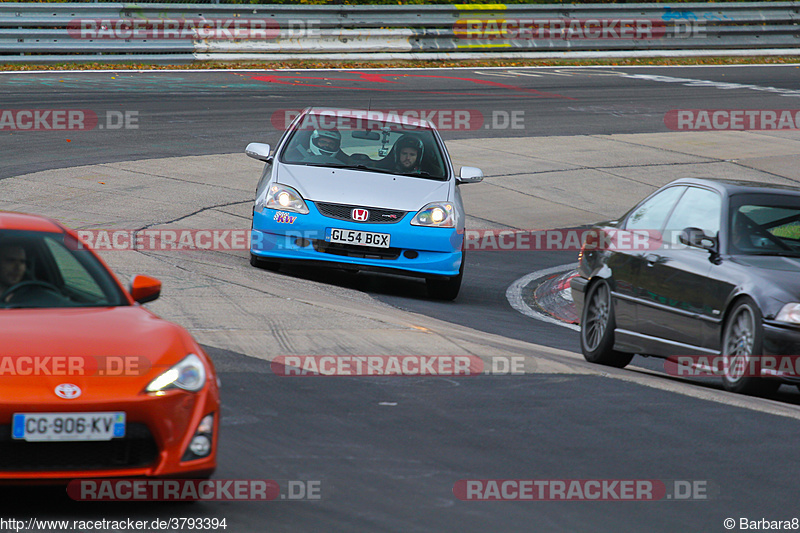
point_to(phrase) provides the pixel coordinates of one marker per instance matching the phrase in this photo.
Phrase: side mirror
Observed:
(144, 289)
(259, 151)
(470, 175)
(697, 238)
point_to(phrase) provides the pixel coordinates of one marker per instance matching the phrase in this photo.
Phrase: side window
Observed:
(652, 214)
(698, 208)
(75, 276)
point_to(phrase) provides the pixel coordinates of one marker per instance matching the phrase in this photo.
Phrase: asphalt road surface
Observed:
(388, 452)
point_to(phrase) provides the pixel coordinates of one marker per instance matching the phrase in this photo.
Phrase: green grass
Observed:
(791, 231)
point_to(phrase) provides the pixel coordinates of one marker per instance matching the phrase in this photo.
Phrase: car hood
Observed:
(356, 187)
(770, 262)
(778, 276)
(102, 340)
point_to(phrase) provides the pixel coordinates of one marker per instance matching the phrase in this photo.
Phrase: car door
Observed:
(673, 281)
(626, 264)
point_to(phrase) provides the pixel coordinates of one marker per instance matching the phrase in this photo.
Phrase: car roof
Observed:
(731, 187)
(381, 115)
(23, 221)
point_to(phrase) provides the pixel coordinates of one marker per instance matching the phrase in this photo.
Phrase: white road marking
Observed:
(514, 295)
(690, 82)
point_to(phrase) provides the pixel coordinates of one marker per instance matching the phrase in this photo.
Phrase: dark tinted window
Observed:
(765, 224)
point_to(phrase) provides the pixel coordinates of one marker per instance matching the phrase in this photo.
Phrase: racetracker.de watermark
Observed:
(167, 239)
(561, 239)
(375, 119)
(74, 365)
(186, 28)
(732, 119)
(396, 365)
(67, 120)
(529, 29)
(486, 240)
(580, 490)
(193, 490)
(780, 366)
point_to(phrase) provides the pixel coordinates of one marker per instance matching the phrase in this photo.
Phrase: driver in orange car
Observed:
(13, 264)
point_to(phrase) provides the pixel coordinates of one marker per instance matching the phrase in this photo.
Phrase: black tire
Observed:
(742, 343)
(446, 289)
(261, 263)
(597, 328)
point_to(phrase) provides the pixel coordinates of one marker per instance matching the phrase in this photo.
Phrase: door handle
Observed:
(652, 259)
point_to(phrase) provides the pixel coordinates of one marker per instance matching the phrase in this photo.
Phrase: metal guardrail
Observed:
(169, 33)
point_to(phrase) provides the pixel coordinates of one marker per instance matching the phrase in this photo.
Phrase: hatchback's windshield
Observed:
(39, 269)
(766, 225)
(361, 144)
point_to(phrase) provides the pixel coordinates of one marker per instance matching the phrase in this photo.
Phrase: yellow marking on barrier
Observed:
(476, 28)
(507, 45)
(480, 7)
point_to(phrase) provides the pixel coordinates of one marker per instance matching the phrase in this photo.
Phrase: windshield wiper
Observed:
(428, 176)
(368, 169)
(303, 163)
(371, 169)
(358, 167)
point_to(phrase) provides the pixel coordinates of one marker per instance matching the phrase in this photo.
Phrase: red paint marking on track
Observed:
(371, 77)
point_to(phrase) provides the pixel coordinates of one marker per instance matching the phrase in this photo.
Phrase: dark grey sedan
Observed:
(717, 282)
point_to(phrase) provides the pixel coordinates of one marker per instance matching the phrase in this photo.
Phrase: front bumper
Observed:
(415, 250)
(159, 430)
(578, 287)
(783, 340)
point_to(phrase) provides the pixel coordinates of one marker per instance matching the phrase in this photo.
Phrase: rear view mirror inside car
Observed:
(367, 134)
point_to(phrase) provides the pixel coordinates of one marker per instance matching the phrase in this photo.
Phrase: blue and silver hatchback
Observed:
(364, 190)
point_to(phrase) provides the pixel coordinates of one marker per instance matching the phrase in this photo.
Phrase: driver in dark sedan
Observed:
(13, 265)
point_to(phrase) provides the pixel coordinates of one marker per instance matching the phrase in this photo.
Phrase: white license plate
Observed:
(68, 426)
(362, 238)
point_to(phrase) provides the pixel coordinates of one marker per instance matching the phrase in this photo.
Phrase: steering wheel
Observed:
(27, 285)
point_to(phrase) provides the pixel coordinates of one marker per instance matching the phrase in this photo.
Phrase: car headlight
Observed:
(284, 198)
(789, 313)
(189, 374)
(439, 214)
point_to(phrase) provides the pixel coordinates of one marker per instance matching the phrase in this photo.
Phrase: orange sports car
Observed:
(92, 383)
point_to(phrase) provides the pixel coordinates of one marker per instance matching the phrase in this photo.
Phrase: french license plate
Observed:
(68, 426)
(362, 238)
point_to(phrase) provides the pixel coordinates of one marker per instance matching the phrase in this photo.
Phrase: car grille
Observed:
(376, 215)
(136, 449)
(350, 250)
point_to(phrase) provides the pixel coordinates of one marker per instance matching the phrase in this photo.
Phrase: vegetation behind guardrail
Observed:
(170, 32)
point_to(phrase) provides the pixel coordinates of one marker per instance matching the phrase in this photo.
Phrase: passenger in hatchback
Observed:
(408, 154)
